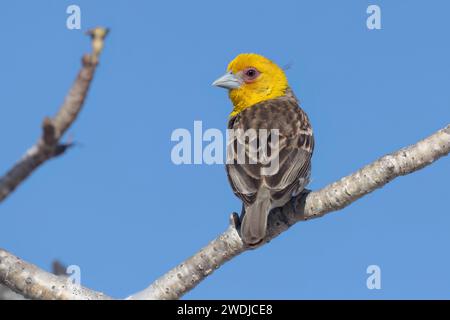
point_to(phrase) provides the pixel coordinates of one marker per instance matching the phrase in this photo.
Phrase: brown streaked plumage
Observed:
(261, 193)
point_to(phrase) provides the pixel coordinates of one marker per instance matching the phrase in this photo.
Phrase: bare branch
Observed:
(49, 146)
(34, 283)
(31, 282)
(308, 205)
(7, 294)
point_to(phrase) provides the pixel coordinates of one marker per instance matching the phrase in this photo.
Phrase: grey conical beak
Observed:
(228, 81)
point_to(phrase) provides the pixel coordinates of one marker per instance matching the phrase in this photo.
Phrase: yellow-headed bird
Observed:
(262, 99)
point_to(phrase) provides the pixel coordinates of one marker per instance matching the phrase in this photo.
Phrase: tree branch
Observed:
(49, 146)
(308, 205)
(8, 294)
(30, 281)
(34, 283)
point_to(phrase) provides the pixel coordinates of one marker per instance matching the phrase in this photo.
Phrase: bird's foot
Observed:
(294, 204)
(235, 221)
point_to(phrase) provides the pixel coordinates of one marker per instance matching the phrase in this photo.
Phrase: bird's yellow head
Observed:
(250, 79)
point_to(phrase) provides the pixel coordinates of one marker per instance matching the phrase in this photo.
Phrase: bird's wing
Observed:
(296, 144)
(244, 180)
(294, 169)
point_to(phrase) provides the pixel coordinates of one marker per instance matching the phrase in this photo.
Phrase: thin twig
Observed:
(49, 146)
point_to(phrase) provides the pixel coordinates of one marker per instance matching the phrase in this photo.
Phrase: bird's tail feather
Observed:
(254, 222)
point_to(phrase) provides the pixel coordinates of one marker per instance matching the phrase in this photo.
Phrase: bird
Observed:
(262, 99)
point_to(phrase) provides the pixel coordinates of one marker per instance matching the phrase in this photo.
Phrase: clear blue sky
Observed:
(121, 210)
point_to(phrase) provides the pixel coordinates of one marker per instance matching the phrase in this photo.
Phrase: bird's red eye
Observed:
(250, 74)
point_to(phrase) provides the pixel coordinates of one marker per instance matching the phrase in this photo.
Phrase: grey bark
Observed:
(34, 283)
